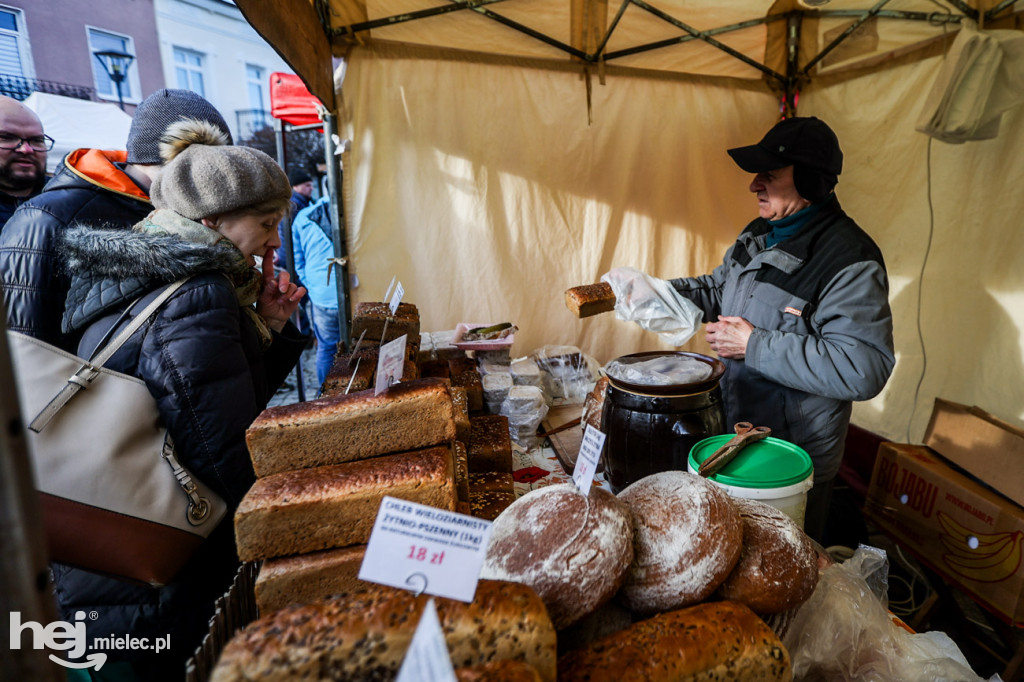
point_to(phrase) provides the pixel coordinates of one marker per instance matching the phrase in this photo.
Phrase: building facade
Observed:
(207, 46)
(49, 46)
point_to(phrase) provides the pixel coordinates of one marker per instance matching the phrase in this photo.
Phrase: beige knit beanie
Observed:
(203, 177)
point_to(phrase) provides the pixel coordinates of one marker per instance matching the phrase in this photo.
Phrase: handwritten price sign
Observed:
(586, 462)
(426, 549)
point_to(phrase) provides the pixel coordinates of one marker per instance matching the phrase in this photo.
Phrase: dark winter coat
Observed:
(89, 189)
(9, 204)
(203, 362)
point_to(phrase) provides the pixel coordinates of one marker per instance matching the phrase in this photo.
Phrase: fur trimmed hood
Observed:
(109, 267)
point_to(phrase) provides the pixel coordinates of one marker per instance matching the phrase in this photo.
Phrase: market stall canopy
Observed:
(785, 43)
(78, 123)
(291, 101)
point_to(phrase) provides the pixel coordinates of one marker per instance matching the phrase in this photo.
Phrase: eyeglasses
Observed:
(40, 143)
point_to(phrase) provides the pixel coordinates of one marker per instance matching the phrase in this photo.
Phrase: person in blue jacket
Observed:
(314, 248)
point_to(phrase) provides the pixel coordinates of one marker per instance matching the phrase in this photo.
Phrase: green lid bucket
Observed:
(771, 470)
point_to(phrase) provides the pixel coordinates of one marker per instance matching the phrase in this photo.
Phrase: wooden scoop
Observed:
(745, 433)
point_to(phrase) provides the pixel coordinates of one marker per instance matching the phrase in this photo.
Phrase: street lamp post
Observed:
(116, 65)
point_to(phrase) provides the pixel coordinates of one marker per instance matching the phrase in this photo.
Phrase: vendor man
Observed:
(799, 308)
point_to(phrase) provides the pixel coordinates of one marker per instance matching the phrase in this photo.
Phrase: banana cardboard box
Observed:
(961, 529)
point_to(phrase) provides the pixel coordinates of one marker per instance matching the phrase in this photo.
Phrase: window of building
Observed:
(188, 70)
(14, 57)
(256, 77)
(105, 41)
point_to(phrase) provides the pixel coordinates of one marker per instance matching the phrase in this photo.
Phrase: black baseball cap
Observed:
(800, 141)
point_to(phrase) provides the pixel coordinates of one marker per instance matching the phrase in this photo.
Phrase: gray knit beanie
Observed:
(160, 110)
(203, 176)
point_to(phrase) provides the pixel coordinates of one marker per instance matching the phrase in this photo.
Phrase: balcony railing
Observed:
(251, 121)
(20, 87)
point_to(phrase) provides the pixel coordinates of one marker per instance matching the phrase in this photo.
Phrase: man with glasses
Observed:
(90, 187)
(23, 148)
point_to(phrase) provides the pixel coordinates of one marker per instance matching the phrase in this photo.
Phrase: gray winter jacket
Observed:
(819, 302)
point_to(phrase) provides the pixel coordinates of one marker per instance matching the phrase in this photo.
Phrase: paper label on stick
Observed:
(396, 298)
(390, 364)
(425, 549)
(586, 462)
(427, 659)
(387, 292)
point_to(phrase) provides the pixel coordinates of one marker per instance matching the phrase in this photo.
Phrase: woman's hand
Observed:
(280, 297)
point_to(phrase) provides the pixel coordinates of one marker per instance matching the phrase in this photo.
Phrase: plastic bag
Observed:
(845, 632)
(567, 375)
(525, 408)
(654, 304)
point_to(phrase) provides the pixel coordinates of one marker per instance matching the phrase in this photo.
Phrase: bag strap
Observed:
(88, 372)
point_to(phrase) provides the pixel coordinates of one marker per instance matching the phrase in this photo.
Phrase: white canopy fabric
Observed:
(77, 123)
(490, 169)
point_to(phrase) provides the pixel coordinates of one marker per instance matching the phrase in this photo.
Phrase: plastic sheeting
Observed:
(482, 187)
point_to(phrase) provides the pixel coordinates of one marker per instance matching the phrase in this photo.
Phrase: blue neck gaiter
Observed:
(784, 228)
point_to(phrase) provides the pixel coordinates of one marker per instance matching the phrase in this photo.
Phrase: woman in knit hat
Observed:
(211, 357)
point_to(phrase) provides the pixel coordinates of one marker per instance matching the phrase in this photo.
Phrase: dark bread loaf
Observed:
(343, 428)
(306, 578)
(489, 504)
(490, 444)
(375, 318)
(365, 635)
(572, 550)
(710, 641)
(499, 671)
(590, 299)
(307, 510)
(688, 538)
(778, 567)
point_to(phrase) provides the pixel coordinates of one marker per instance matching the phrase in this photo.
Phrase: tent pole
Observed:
(289, 248)
(337, 228)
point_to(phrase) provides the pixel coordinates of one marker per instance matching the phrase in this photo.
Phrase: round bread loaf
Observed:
(572, 550)
(778, 567)
(687, 537)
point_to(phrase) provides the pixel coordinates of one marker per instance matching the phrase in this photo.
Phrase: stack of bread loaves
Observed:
(323, 468)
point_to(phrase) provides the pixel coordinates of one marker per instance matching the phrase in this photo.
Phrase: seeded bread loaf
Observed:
(461, 403)
(710, 641)
(472, 383)
(499, 671)
(357, 369)
(335, 506)
(461, 471)
(489, 504)
(364, 636)
(372, 317)
(573, 550)
(343, 428)
(490, 444)
(306, 578)
(590, 299)
(493, 481)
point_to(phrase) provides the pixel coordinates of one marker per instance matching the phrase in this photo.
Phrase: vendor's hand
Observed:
(728, 337)
(280, 297)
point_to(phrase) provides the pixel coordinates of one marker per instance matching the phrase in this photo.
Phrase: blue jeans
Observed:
(328, 334)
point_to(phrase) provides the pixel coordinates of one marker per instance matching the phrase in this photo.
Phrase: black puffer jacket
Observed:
(202, 360)
(88, 189)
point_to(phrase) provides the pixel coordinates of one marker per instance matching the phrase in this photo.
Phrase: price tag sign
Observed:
(427, 659)
(387, 292)
(586, 462)
(426, 549)
(390, 364)
(396, 298)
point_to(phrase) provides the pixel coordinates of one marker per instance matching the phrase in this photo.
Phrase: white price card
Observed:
(586, 462)
(425, 549)
(427, 659)
(387, 292)
(390, 364)
(396, 298)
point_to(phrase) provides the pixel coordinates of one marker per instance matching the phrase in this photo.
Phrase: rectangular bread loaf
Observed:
(488, 504)
(374, 316)
(365, 635)
(361, 366)
(590, 299)
(709, 641)
(461, 471)
(306, 578)
(461, 402)
(344, 428)
(470, 381)
(491, 481)
(490, 444)
(307, 510)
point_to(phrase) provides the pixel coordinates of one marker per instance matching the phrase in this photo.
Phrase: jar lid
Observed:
(717, 370)
(768, 463)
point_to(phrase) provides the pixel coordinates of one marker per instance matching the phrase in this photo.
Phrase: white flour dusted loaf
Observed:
(343, 428)
(572, 550)
(365, 635)
(334, 506)
(688, 536)
(778, 567)
(711, 641)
